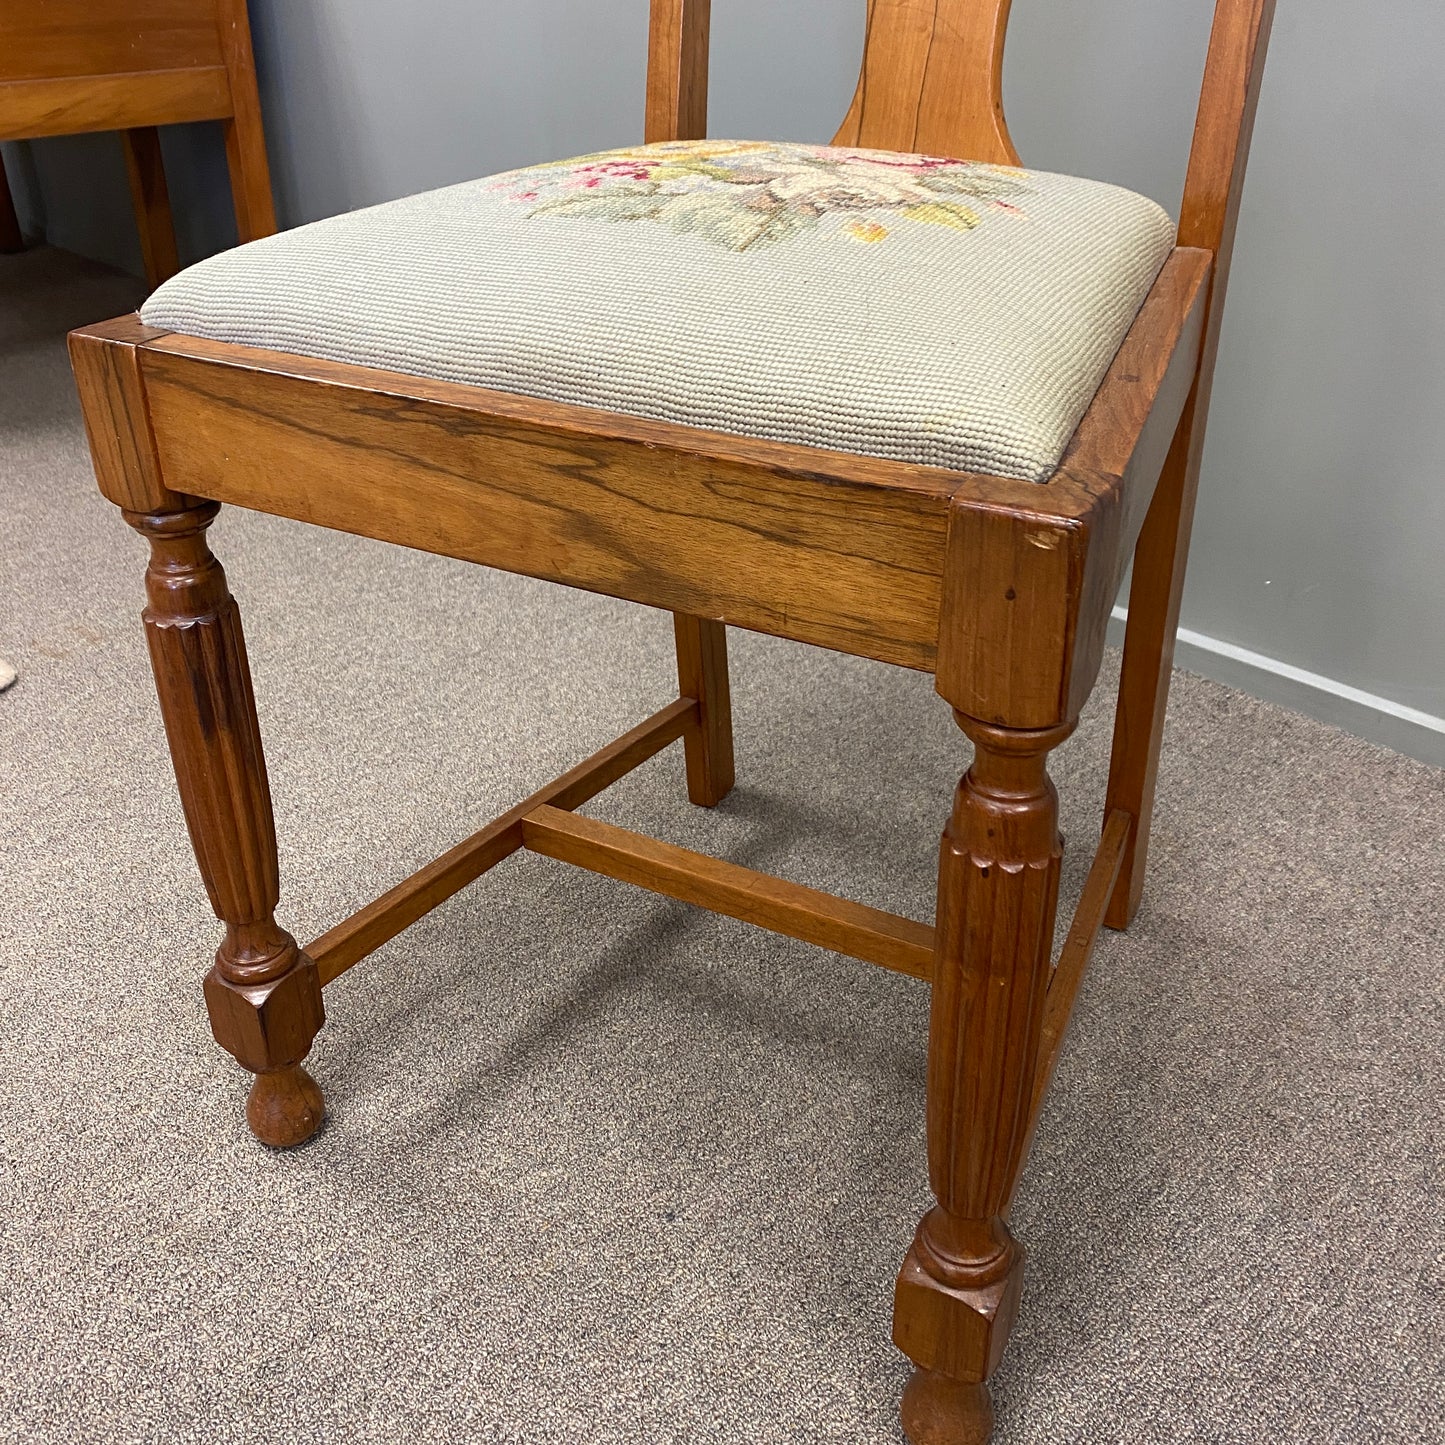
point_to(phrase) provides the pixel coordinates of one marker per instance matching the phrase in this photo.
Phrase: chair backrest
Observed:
(932, 80)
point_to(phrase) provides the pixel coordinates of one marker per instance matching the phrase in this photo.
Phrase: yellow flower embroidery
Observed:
(960, 218)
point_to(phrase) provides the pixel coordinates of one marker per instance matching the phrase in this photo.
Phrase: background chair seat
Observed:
(907, 307)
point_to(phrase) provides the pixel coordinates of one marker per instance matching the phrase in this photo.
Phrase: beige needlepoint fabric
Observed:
(910, 307)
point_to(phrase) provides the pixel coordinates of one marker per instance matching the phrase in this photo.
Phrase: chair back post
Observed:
(677, 62)
(1228, 102)
(246, 157)
(1208, 219)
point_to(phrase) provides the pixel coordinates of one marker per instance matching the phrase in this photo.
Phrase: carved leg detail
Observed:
(938, 1410)
(263, 994)
(997, 895)
(702, 673)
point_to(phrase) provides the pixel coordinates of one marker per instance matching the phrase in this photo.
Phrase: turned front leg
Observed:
(263, 994)
(998, 886)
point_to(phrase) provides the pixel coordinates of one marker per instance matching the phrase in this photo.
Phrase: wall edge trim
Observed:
(1378, 719)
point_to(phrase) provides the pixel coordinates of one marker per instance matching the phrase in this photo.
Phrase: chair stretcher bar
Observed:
(545, 823)
(891, 942)
(364, 932)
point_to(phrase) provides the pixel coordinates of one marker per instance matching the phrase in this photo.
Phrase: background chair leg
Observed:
(1155, 593)
(263, 994)
(250, 181)
(702, 673)
(998, 885)
(10, 238)
(151, 202)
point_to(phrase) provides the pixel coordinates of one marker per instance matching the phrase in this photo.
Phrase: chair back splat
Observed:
(932, 78)
(932, 81)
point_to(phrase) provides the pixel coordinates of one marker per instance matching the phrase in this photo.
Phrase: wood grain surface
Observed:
(895, 943)
(751, 535)
(932, 80)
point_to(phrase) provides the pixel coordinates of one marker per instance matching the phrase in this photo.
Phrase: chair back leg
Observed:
(1155, 593)
(1208, 219)
(702, 674)
(152, 203)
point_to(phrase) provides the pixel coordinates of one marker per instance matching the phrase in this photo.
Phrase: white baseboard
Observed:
(1406, 729)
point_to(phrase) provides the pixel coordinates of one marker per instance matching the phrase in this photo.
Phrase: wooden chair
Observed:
(999, 587)
(131, 65)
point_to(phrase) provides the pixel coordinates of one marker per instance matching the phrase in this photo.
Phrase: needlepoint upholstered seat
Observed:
(902, 306)
(895, 397)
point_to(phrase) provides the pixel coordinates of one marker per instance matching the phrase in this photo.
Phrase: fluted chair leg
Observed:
(263, 994)
(998, 888)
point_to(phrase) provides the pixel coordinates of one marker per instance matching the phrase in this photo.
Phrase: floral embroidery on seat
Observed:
(741, 194)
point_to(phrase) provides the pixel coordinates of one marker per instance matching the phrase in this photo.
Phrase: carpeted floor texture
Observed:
(602, 1168)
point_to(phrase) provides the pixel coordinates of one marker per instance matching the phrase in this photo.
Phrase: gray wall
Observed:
(1322, 521)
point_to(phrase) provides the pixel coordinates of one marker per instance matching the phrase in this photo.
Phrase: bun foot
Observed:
(938, 1410)
(285, 1107)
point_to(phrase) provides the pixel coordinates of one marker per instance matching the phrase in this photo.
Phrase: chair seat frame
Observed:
(1002, 589)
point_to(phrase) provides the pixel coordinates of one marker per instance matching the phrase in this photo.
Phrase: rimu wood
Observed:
(46, 39)
(959, 1285)
(998, 886)
(677, 70)
(932, 80)
(684, 520)
(1029, 583)
(245, 137)
(397, 909)
(146, 171)
(1001, 588)
(677, 75)
(263, 994)
(829, 548)
(1074, 960)
(846, 927)
(68, 66)
(69, 105)
(1213, 188)
(106, 363)
(702, 673)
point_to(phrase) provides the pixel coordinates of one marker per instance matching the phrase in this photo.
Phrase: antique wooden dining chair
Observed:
(893, 397)
(68, 66)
